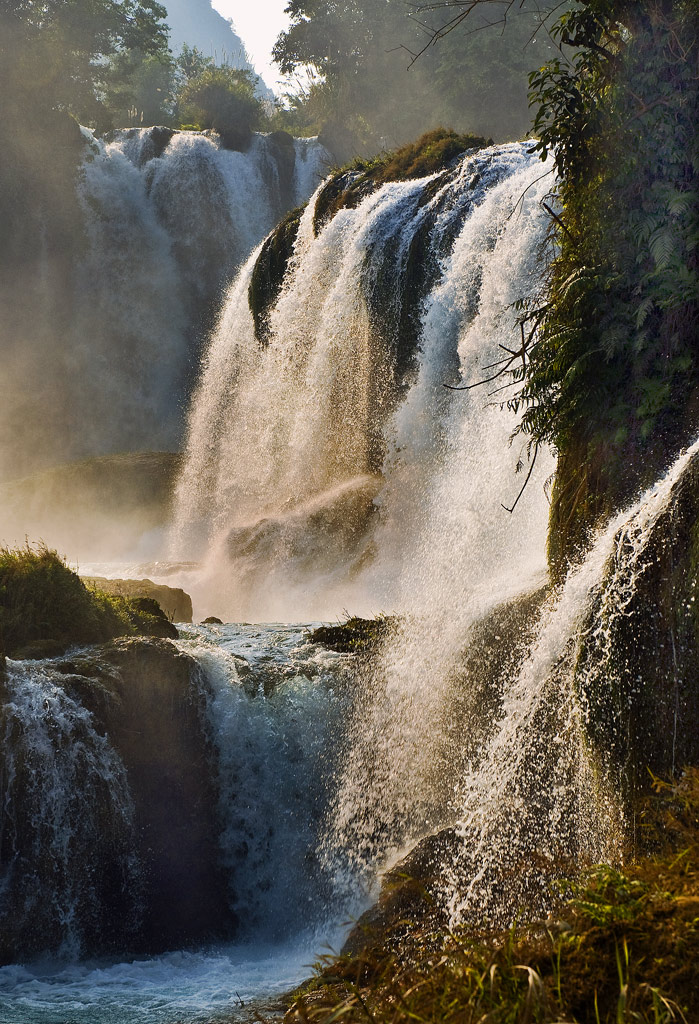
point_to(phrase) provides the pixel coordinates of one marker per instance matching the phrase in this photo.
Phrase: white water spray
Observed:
(310, 481)
(67, 831)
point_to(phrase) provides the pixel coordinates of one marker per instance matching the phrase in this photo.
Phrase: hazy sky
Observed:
(258, 23)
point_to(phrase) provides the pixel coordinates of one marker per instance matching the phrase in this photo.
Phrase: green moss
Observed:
(45, 607)
(433, 152)
(355, 635)
(268, 274)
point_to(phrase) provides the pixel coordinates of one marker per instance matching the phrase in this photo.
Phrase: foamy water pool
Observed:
(223, 983)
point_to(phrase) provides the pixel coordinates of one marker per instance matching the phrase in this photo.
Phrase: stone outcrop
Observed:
(409, 892)
(176, 603)
(155, 726)
(638, 670)
(142, 695)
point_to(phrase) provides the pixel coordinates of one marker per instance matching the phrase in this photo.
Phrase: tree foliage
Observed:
(616, 352)
(612, 374)
(55, 54)
(222, 98)
(366, 92)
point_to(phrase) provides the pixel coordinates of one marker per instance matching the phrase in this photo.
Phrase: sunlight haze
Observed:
(258, 25)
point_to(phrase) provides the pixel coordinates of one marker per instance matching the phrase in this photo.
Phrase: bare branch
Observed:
(524, 485)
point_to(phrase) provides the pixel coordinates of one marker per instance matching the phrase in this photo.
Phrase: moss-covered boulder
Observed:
(125, 855)
(437, 151)
(356, 635)
(409, 892)
(152, 713)
(173, 601)
(45, 608)
(433, 152)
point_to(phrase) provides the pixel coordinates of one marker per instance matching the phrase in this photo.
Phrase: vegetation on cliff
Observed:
(619, 947)
(46, 608)
(612, 373)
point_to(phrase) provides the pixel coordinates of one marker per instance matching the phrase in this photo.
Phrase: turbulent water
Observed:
(67, 811)
(273, 704)
(319, 476)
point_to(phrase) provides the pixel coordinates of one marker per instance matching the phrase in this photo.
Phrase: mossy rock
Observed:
(355, 636)
(174, 601)
(638, 670)
(435, 151)
(268, 273)
(346, 189)
(45, 607)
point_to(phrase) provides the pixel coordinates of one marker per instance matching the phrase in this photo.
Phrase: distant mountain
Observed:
(196, 22)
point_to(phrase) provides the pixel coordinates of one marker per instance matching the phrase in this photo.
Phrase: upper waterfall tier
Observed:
(327, 465)
(104, 318)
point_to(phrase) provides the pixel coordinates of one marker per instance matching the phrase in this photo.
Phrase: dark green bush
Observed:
(223, 99)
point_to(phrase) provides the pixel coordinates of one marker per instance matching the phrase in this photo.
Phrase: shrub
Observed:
(45, 607)
(223, 99)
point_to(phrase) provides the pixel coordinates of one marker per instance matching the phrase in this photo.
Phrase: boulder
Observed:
(638, 668)
(141, 694)
(156, 727)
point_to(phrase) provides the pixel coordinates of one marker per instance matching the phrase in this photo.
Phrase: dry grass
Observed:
(621, 948)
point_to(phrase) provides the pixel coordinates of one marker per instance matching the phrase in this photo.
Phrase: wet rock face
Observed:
(639, 666)
(409, 891)
(135, 698)
(156, 729)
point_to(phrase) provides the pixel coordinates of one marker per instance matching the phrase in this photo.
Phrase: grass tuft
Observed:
(45, 607)
(355, 635)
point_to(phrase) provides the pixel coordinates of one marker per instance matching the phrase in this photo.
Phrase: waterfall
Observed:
(274, 714)
(318, 463)
(106, 342)
(305, 824)
(329, 469)
(67, 866)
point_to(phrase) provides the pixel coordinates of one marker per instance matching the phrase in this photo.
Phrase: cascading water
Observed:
(106, 352)
(272, 706)
(540, 800)
(317, 463)
(316, 493)
(328, 469)
(67, 864)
